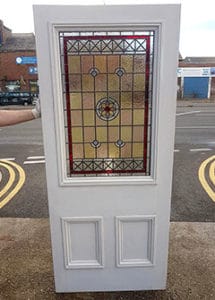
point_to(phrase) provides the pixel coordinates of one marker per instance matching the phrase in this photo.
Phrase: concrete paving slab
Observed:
(27, 273)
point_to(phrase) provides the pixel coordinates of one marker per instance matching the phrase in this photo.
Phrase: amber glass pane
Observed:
(127, 63)
(87, 83)
(126, 133)
(139, 82)
(88, 118)
(126, 117)
(138, 133)
(127, 82)
(126, 151)
(139, 63)
(101, 134)
(86, 63)
(138, 99)
(89, 134)
(100, 122)
(114, 122)
(90, 152)
(113, 63)
(113, 82)
(77, 150)
(113, 134)
(113, 151)
(74, 64)
(100, 95)
(77, 136)
(75, 101)
(101, 82)
(76, 118)
(126, 100)
(102, 151)
(137, 149)
(88, 100)
(100, 63)
(115, 95)
(138, 117)
(75, 83)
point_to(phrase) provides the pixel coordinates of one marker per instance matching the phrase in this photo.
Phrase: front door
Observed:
(107, 86)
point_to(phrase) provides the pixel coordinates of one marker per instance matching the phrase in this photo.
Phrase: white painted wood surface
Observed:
(109, 233)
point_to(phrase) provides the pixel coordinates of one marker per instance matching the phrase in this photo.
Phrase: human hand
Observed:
(36, 111)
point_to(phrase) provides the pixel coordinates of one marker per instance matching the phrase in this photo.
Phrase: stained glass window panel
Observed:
(87, 100)
(107, 81)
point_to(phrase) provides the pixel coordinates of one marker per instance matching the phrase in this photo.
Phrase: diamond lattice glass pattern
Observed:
(107, 81)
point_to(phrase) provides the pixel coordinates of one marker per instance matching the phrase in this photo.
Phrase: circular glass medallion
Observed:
(107, 109)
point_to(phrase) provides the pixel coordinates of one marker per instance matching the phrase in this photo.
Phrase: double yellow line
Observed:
(210, 162)
(8, 191)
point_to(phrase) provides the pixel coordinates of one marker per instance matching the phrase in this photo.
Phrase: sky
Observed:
(197, 30)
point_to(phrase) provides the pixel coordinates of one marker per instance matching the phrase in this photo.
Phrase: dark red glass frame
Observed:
(146, 102)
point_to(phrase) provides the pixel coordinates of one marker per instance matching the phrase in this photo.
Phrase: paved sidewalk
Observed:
(27, 274)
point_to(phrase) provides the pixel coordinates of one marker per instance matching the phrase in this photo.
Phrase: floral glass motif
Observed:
(107, 109)
(107, 80)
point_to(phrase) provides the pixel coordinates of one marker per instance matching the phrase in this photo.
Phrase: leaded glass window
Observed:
(107, 90)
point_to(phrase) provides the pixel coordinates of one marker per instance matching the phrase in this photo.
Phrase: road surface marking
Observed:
(200, 149)
(18, 186)
(176, 150)
(10, 180)
(30, 162)
(35, 157)
(8, 158)
(188, 113)
(202, 178)
(212, 172)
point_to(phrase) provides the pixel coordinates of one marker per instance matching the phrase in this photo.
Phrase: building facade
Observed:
(196, 77)
(18, 65)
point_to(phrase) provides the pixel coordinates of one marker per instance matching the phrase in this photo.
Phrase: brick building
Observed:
(18, 70)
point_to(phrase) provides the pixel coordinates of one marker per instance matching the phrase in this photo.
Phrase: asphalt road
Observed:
(23, 145)
(194, 143)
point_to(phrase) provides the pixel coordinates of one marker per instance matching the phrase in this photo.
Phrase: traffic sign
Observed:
(23, 60)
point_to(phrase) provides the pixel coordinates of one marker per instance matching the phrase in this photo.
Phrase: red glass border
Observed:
(68, 107)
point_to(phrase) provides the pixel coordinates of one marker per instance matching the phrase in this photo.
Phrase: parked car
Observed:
(15, 98)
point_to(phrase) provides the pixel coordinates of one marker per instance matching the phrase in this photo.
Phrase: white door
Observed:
(107, 77)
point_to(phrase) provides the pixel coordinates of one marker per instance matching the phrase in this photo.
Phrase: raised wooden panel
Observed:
(83, 242)
(135, 241)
